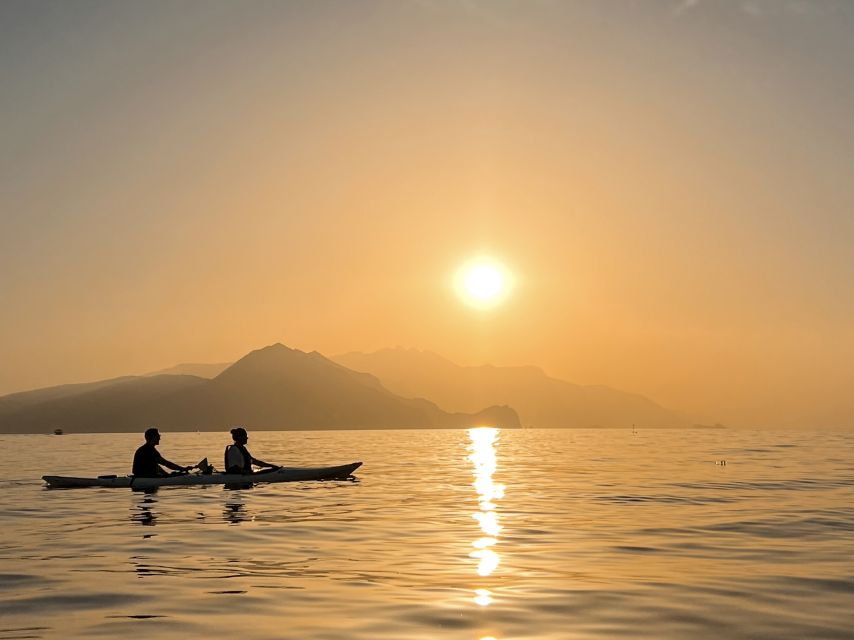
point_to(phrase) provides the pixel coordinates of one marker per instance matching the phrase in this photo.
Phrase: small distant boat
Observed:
(282, 474)
(57, 432)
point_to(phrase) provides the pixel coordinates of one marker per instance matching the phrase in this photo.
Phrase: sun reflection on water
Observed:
(482, 456)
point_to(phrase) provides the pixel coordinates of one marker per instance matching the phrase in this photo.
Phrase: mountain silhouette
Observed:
(200, 369)
(120, 404)
(23, 399)
(271, 388)
(541, 401)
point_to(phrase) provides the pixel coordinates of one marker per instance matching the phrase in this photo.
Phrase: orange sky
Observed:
(668, 181)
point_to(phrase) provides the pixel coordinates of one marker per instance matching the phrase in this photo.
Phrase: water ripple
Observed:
(592, 535)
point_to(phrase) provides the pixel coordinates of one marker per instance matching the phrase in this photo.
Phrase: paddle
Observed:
(201, 466)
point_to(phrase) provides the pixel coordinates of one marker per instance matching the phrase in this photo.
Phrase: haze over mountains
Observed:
(271, 388)
(200, 369)
(540, 400)
(281, 388)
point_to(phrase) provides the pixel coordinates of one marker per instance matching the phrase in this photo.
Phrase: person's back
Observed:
(146, 462)
(237, 459)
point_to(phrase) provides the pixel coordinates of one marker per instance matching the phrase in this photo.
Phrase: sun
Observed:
(483, 283)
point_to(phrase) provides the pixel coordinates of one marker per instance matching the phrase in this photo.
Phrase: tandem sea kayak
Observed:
(282, 474)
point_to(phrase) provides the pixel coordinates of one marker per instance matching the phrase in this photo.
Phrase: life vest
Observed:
(237, 456)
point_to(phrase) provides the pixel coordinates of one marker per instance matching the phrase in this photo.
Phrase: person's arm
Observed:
(175, 467)
(261, 463)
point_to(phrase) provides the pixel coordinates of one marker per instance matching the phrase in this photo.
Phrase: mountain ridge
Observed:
(410, 383)
(540, 400)
(274, 387)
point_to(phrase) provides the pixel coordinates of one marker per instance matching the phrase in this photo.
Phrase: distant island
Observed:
(272, 388)
(281, 388)
(542, 401)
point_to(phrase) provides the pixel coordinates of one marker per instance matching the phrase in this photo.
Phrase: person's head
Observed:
(239, 435)
(152, 435)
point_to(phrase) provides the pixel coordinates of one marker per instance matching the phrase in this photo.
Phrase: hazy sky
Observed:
(669, 181)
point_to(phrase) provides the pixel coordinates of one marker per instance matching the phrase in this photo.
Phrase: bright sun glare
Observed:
(483, 283)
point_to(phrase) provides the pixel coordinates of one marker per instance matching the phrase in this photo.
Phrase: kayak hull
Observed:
(284, 474)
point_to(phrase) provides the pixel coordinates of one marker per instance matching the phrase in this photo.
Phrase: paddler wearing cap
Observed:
(237, 456)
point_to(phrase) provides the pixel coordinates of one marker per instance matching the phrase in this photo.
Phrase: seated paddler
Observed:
(147, 460)
(237, 456)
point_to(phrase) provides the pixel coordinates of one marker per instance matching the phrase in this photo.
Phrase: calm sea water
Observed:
(478, 534)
